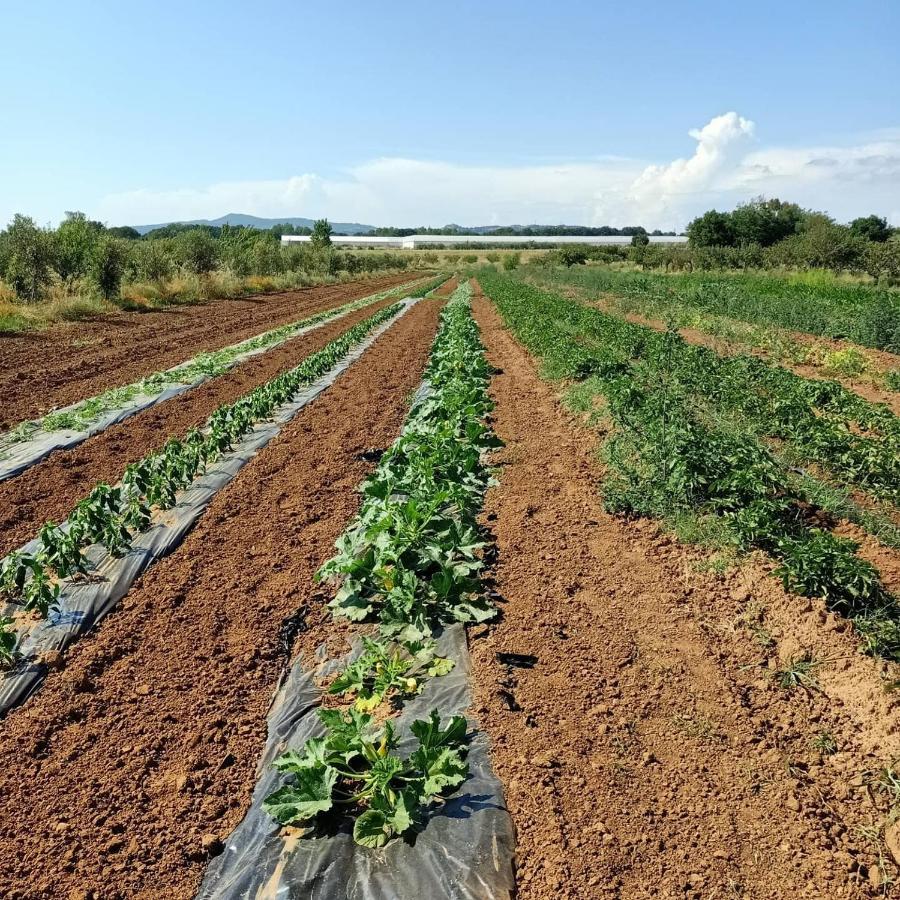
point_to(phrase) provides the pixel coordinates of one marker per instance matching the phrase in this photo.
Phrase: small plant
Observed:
(824, 742)
(798, 673)
(8, 641)
(385, 669)
(353, 769)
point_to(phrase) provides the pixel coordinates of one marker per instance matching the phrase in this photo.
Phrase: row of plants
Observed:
(209, 365)
(410, 562)
(672, 451)
(776, 343)
(810, 302)
(113, 515)
(822, 421)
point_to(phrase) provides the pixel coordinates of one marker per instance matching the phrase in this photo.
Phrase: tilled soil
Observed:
(44, 370)
(50, 489)
(123, 774)
(448, 287)
(650, 752)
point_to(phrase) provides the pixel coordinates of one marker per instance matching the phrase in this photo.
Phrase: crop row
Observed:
(112, 516)
(866, 315)
(204, 365)
(672, 451)
(821, 421)
(410, 561)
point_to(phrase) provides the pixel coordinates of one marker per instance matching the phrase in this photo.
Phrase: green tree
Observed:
(29, 257)
(74, 242)
(196, 250)
(321, 234)
(712, 229)
(872, 228)
(640, 239)
(108, 257)
(124, 231)
(766, 222)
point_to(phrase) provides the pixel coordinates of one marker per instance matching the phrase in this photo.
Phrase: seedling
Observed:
(798, 673)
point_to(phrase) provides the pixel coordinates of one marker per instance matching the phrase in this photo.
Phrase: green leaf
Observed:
(299, 802)
(443, 768)
(430, 734)
(372, 829)
(440, 665)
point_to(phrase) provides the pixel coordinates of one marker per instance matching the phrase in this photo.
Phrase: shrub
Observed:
(107, 263)
(511, 261)
(196, 250)
(30, 256)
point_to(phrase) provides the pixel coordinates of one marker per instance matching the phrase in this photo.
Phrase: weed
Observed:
(798, 673)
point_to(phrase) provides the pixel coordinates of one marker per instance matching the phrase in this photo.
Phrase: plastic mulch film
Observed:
(83, 604)
(464, 852)
(18, 456)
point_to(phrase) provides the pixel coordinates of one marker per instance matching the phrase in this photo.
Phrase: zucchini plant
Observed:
(412, 557)
(355, 772)
(385, 670)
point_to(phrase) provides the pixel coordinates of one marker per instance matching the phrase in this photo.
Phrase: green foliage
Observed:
(321, 234)
(196, 250)
(74, 245)
(354, 768)
(112, 515)
(511, 261)
(411, 557)
(385, 670)
(8, 642)
(815, 304)
(28, 258)
(871, 228)
(761, 222)
(640, 239)
(107, 264)
(687, 440)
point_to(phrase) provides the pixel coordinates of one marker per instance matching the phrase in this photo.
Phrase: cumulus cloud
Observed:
(727, 166)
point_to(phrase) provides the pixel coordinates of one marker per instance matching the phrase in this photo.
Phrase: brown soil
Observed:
(50, 489)
(447, 288)
(44, 370)
(650, 753)
(149, 739)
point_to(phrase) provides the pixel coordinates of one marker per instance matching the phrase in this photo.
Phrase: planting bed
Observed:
(50, 489)
(154, 727)
(66, 363)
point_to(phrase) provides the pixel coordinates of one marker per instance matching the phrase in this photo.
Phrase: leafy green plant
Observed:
(384, 670)
(687, 441)
(354, 770)
(8, 641)
(799, 672)
(412, 556)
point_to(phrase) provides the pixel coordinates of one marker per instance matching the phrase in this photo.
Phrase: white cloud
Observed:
(725, 168)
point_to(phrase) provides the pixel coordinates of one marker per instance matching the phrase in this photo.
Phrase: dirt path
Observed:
(650, 753)
(50, 490)
(44, 370)
(148, 740)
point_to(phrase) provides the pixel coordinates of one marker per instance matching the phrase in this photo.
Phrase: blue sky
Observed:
(424, 113)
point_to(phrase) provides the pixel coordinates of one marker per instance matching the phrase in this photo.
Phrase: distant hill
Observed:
(264, 224)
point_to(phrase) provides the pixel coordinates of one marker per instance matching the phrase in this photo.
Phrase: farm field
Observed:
(489, 586)
(43, 370)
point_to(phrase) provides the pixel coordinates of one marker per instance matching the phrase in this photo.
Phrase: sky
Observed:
(424, 113)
